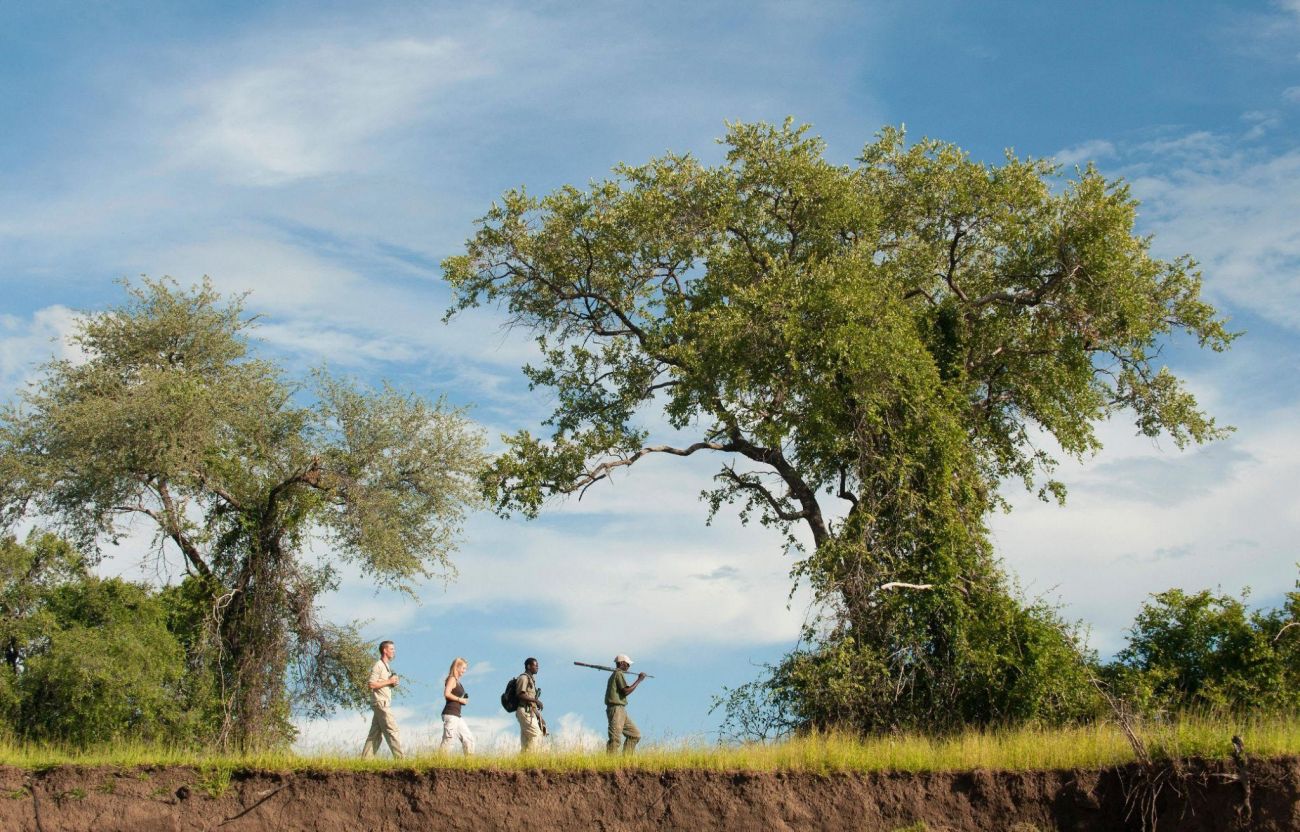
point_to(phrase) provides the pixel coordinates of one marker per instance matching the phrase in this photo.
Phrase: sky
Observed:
(327, 156)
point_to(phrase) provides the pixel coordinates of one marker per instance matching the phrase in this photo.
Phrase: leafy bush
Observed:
(111, 669)
(1207, 651)
(936, 662)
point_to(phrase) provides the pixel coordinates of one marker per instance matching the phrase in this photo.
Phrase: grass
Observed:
(1020, 749)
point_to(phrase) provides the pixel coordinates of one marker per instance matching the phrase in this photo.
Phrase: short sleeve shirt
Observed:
(526, 686)
(613, 696)
(380, 697)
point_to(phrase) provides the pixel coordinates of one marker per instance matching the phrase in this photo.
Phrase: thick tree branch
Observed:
(844, 493)
(603, 470)
(171, 526)
(810, 509)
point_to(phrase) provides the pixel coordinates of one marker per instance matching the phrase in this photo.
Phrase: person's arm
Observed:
(627, 691)
(377, 681)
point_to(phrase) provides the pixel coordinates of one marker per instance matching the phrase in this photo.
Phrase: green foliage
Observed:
(91, 660)
(1204, 651)
(892, 335)
(28, 573)
(170, 420)
(111, 668)
(1002, 663)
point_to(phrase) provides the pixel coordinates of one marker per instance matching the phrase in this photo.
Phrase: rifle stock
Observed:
(610, 669)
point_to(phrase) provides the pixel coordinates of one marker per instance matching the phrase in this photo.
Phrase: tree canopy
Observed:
(168, 418)
(871, 349)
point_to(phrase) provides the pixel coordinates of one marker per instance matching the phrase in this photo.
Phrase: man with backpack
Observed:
(529, 711)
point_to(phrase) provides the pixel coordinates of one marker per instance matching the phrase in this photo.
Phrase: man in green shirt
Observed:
(617, 691)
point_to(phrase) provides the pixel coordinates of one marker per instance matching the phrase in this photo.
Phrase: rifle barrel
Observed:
(603, 667)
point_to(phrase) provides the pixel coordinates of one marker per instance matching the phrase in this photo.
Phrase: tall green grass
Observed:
(1019, 749)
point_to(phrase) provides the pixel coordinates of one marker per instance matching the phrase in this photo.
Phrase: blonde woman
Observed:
(453, 726)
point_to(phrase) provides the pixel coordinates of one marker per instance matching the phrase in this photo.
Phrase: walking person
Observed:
(454, 728)
(529, 713)
(621, 726)
(382, 723)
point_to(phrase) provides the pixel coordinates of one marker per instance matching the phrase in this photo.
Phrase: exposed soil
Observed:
(1190, 796)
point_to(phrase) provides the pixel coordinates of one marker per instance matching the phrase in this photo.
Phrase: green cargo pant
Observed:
(621, 727)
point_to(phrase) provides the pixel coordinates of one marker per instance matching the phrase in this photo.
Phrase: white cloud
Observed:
(312, 110)
(1081, 154)
(327, 312)
(1234, 210)
(653, 574)
(1292, 94)
(27, 343)
(1260, 121)
(1232, 522)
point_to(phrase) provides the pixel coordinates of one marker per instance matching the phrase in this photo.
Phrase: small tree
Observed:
(871, 349)
(169, 419)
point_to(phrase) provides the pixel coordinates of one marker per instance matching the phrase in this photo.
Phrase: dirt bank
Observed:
(1192, 796)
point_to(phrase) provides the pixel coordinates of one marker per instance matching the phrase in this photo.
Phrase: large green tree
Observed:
(167, 418)
(872, 349)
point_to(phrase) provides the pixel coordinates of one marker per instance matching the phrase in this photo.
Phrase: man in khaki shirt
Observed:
(531, 725)
(382, 724)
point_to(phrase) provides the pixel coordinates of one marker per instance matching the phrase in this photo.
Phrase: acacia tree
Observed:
(871, 349)
(170, 420)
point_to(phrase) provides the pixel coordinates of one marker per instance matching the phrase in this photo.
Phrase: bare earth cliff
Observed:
(1264, 795)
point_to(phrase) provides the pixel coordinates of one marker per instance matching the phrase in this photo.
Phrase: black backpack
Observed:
(510, 696)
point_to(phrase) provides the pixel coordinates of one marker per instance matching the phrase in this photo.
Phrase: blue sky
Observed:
(328, 156)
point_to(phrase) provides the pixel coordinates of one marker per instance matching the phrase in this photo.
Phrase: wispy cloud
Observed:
(26, 343)
(1081, 154)
(1234, 208)
(1133, 526)
(312, 111)
(421, 732)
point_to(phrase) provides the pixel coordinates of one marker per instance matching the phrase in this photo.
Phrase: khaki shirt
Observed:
(526, 685)
(380, 697)
(613, 696)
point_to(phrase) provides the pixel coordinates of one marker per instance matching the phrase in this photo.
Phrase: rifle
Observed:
(603, 667)
(537, 712)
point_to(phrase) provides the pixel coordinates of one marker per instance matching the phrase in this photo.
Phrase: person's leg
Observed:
(614, 715)
(528, 730)
(631, 732)
(374, 737)
(448, 733)
(534, 731)
(466, 738)
(391, 734)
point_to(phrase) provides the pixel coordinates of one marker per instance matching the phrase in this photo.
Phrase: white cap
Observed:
(623, 657)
